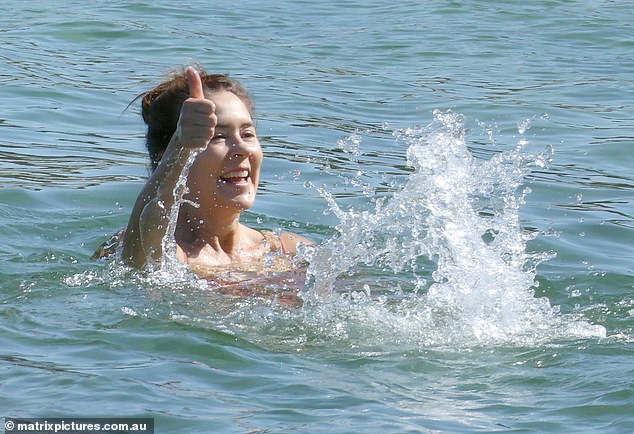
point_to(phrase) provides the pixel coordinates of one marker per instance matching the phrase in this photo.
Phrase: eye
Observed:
(248, 134)
(218, 137)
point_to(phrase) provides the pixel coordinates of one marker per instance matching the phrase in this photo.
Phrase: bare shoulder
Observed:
(271, 240)
(287, 242)
(291, 241)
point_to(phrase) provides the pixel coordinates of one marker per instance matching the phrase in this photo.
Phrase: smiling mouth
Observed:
(235, 177)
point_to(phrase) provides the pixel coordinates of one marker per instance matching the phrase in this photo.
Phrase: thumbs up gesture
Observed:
(197, 120)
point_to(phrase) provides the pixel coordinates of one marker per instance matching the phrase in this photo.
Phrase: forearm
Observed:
(150, 215)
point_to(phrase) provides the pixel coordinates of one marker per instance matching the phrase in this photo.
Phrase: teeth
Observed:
(236, 174)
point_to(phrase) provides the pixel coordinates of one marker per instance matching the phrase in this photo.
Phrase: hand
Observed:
(197, 121)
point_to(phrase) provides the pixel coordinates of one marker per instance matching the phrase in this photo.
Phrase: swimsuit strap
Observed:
(283, 243)
(274, 241)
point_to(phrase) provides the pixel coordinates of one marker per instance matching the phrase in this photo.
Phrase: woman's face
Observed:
(226, 174)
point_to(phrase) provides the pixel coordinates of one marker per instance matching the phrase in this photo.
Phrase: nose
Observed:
(243, 148)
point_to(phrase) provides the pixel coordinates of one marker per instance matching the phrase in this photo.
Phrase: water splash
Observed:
(170, 264)
(443, 262)
(351, 145)
(462, 214)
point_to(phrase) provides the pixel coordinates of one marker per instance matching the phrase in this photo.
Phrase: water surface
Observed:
(466, 169)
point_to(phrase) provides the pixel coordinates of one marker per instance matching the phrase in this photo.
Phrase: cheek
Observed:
(200, 181)
(257, 159)
(205, 167)
(256, 172)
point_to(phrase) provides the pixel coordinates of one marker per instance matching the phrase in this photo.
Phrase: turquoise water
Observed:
(465, 167)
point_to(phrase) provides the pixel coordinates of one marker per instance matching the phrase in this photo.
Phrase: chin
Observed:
(242, 204)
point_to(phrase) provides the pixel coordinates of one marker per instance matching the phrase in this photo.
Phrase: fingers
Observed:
(197, 120)
(195, 85)
(196, 136)
(197, 123)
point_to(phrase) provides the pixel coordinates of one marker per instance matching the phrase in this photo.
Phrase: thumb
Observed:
(195, 85)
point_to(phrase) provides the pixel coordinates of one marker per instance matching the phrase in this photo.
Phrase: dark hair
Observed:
(161, 107)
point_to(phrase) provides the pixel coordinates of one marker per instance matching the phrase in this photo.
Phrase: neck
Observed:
(220, 232)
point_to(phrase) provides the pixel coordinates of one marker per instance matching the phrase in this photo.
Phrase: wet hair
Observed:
(161, 107)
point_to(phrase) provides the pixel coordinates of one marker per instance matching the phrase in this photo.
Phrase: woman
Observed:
(211, 115)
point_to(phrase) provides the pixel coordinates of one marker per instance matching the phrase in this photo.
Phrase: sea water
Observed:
(452, 240)
(442, 262)
(464, 169)
(461, 215)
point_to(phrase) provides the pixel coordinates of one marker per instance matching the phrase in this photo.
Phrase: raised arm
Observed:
(148, 223)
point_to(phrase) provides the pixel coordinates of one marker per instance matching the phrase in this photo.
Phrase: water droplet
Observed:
(351, 145)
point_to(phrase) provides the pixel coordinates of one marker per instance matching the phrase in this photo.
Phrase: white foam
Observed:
(441, 263)
(462, 213)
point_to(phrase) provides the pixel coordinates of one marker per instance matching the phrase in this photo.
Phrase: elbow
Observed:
(132, 251)
(144, 236)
